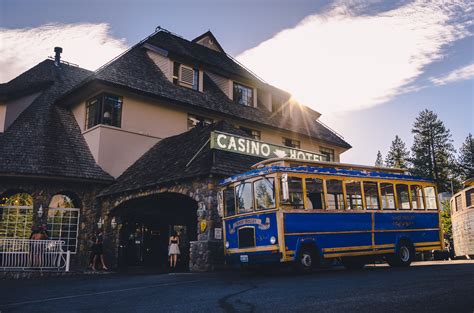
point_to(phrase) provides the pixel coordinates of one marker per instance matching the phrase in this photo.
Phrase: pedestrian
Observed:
(98, 252)
(173, 249)
(38, 246)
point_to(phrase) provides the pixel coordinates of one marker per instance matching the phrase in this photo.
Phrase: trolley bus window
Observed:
(295, 190)
(371, 195)
(388, 197)
(402, 195)
(244, 197)
(353, 195)
(314, 194)
(264, 193)
(430, 197)
(416, 197)
(229, 201)
(335, 196)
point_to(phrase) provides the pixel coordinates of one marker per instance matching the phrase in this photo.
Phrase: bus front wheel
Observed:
(404, 255)
(305, 260)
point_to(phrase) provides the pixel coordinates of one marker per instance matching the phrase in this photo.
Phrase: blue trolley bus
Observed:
(310, 212)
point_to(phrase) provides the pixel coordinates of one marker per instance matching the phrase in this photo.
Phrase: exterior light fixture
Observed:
(40, 211)
(100, 222)
(113, 223)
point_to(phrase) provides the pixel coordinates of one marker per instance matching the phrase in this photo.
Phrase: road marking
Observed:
(102, 292)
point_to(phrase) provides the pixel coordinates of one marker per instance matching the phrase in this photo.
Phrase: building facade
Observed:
(128, 148)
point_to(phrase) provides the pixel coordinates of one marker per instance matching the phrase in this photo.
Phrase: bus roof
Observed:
(324, 168)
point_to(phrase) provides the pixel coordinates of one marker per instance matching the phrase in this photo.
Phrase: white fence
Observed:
(27, 254)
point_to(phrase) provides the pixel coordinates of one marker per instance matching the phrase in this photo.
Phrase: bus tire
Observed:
(353, 263)
(305, 260)
(404, 255)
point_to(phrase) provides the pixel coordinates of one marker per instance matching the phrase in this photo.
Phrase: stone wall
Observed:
(463, 231)
(205, 253)
(42, 190)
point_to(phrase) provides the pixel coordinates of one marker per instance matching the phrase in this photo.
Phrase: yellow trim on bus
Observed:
(431, 243)
(253, 249)
(335, 255)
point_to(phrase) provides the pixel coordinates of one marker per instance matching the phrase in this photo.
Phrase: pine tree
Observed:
(397, 155)
(379, 161)
(466, 158)
(432, 150)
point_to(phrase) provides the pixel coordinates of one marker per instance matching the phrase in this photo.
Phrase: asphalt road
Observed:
(423, 287)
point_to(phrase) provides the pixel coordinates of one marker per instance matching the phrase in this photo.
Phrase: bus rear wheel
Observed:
(305, 260)
(403, 256)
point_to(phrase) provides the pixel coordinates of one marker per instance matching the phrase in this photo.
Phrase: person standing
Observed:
(98, 251)
(173, 250)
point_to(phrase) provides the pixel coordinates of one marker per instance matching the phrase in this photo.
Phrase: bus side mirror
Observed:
(284, 188)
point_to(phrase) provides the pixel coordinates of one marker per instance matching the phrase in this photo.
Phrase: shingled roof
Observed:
(136, 72)
(45, 139)
(168, 161)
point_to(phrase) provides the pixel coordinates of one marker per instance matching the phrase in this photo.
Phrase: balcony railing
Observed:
(27, 254)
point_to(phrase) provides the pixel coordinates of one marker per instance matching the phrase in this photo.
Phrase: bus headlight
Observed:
(273, 240)
(227, 245)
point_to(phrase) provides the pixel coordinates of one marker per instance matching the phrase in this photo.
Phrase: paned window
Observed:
(353, 195)
(291, 143)
(458, 203)
(264, 190)
(328, 153)
(335, 196)
(314, 194)
(255, 134)
(402, 196)
(371, 195)
(16, 216)
(430, 197)
(470, 197)
(388, 196)
(104, 109)
(416, 197)
(63, 221)
(243, 95)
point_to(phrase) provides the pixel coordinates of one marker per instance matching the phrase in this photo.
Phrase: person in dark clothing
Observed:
(97, 252)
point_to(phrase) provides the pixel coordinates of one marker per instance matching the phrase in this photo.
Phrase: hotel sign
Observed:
(249, 146)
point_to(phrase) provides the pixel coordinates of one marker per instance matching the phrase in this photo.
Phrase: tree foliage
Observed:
(398, 155)
(379, 160)
(466, 158)
(432, 150)
(446, 223)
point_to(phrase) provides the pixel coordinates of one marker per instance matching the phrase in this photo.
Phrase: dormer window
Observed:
(185, 76)
(104, 109)
(243, 95)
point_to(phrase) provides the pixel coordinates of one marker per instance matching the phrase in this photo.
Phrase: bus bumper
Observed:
(253, 258)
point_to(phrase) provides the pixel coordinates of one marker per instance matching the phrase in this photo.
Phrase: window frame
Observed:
(295, 143)
(68, 238)
(264, 178)
(399, 204)
(331, 152)
(100, 97)
(336, 178)
(251, 192)
(395, 201)
(235, 99)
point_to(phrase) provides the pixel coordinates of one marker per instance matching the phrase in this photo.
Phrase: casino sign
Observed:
(249, 146)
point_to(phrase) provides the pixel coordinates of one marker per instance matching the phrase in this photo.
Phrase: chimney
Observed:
(57, 56)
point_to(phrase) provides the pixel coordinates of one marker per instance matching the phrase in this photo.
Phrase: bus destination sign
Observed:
(249, 146)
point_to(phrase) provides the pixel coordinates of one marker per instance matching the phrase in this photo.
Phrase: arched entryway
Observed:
(146, 224)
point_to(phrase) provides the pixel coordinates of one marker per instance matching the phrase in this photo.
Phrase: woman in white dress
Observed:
(173, 250)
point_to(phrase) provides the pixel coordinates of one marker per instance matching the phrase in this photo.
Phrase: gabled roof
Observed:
(45, 139)
(167, 161)
(210, 36)
(136, 72)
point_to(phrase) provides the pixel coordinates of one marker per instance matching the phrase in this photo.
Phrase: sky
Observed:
(369, 67)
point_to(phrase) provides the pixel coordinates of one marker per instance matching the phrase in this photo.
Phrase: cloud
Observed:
(463, 73)
(344, 60)
(88, 45)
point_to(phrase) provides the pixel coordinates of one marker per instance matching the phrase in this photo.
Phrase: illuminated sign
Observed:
(249, 146)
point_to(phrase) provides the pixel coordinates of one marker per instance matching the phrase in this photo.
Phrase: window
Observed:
(63, 221)
(295, 190)
(430, 197)
(402, 196)
(328, 153)
(264, 193)
(314, 194)
(353, 195)
(16, 216)
(229, 201)
(194, 120)
(458, 203)
(416, 197)
(243, 95)
(244, 197)
(371, 195)
(185, 76)
(255, 134)
(469, 197)
(388, 197)
(335, 196)
(291, 143)
(104, 109)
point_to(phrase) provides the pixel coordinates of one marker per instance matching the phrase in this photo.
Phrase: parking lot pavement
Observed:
(440, 286)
